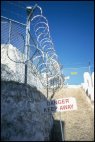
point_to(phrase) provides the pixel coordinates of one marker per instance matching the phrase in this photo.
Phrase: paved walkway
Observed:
(79, 124)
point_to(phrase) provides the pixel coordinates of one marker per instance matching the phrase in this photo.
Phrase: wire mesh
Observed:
(42, 61)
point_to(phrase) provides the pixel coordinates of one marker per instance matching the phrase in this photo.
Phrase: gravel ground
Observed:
(78, 124)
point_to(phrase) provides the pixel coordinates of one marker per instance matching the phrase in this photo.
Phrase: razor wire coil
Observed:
(42, 60)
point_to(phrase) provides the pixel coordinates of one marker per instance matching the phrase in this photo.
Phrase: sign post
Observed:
(58, 105)
(61, 128)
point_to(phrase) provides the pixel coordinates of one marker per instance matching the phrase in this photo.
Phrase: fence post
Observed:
(27, 45)
(47, 85)
(30, 11)
(9, 33)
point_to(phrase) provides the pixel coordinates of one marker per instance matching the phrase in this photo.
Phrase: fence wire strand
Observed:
(42, 60)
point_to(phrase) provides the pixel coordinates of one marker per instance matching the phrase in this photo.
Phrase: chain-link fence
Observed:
(28, 51)
(12, 52)
(13, 38)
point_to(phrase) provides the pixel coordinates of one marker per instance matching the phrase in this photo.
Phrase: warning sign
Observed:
(59, 105)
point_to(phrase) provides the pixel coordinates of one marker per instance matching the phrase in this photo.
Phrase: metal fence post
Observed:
(30, 11)
(9, 32)
(27, 45)
(47, 84)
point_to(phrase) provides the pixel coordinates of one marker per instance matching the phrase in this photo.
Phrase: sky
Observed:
(71, 26)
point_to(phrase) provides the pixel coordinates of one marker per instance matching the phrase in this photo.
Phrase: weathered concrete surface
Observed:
(12, 61)
(79, 124)
(21, 118)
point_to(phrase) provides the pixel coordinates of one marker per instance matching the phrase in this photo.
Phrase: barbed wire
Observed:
(17, 4)
(79, 67)
(18, 16)
(42, 60)
(13, 10)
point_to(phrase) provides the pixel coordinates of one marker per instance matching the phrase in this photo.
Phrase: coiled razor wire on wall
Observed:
(43, 60)
(50, 67)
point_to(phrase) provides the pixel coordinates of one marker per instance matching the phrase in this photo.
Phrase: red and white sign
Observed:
(59, 105)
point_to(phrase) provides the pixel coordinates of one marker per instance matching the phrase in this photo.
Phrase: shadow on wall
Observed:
(56, 131)
(21, 118)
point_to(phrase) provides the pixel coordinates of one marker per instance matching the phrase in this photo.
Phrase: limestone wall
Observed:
(21, 118)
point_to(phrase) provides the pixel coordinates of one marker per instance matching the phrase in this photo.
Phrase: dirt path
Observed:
(79, 124)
